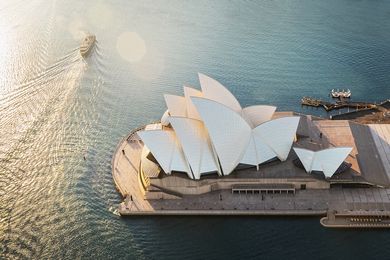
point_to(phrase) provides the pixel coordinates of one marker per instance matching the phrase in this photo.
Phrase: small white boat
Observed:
(341, 93)
(87, 44)
(334, 93)
(348, 93)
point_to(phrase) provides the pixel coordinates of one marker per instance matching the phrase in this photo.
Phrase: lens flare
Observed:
(131, 47)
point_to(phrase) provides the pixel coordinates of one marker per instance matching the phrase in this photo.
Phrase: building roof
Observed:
(176, 105)
(229, 132)
(214, 90)
(196, 145)
(278, 134)
(255, 115)
(166, 149)
(191, 110)
(236, 142)
(149, 168)
(210, 132)
(326, 161)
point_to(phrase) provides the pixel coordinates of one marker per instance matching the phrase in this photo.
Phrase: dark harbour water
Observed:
(56, 108)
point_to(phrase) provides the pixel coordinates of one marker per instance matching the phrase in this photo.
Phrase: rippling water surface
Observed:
(57, 108)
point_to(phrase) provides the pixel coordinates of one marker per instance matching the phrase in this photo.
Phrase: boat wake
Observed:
(46, 91)
(33, 122)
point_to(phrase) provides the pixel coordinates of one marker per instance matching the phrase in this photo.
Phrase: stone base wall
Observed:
(190, 187)
(158, 195)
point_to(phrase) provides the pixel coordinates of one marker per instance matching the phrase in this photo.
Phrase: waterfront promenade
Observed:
(125, 163)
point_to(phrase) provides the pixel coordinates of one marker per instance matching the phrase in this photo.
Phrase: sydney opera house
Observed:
(206, 141)
(208, 155)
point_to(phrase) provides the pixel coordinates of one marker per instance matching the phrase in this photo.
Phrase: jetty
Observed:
(362, 112)
(357, 219)
(329, 106)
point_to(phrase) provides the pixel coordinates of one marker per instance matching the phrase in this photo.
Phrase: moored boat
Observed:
(341, 93)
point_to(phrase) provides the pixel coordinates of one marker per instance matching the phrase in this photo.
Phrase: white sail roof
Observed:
(196, 145)
(271, 139)
(166, 149)
(214, 90)
(213, 133)
(278, 134)
(176, 105)
(165, 118)
(306, 157)
(256, 115)
(236, 142)
(149, 168)
(326, 161)
(250, 156)
(257, 152)
(229, 132)
(191, 109)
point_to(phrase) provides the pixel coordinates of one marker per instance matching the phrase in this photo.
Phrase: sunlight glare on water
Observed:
(101, 15)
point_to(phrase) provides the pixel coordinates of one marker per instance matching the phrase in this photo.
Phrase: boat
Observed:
(341, 93)
(349, 93)
(87, 44)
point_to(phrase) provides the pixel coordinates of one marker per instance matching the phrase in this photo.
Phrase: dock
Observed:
(362, 112)
(357, 219)
(342, 103)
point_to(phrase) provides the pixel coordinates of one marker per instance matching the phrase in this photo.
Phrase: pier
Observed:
(342, 103)
(357, 219)
(363, 112)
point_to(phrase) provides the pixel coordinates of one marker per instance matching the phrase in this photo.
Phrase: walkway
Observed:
(125, 174)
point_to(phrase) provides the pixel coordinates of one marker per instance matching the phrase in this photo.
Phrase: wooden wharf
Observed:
(328, 106)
